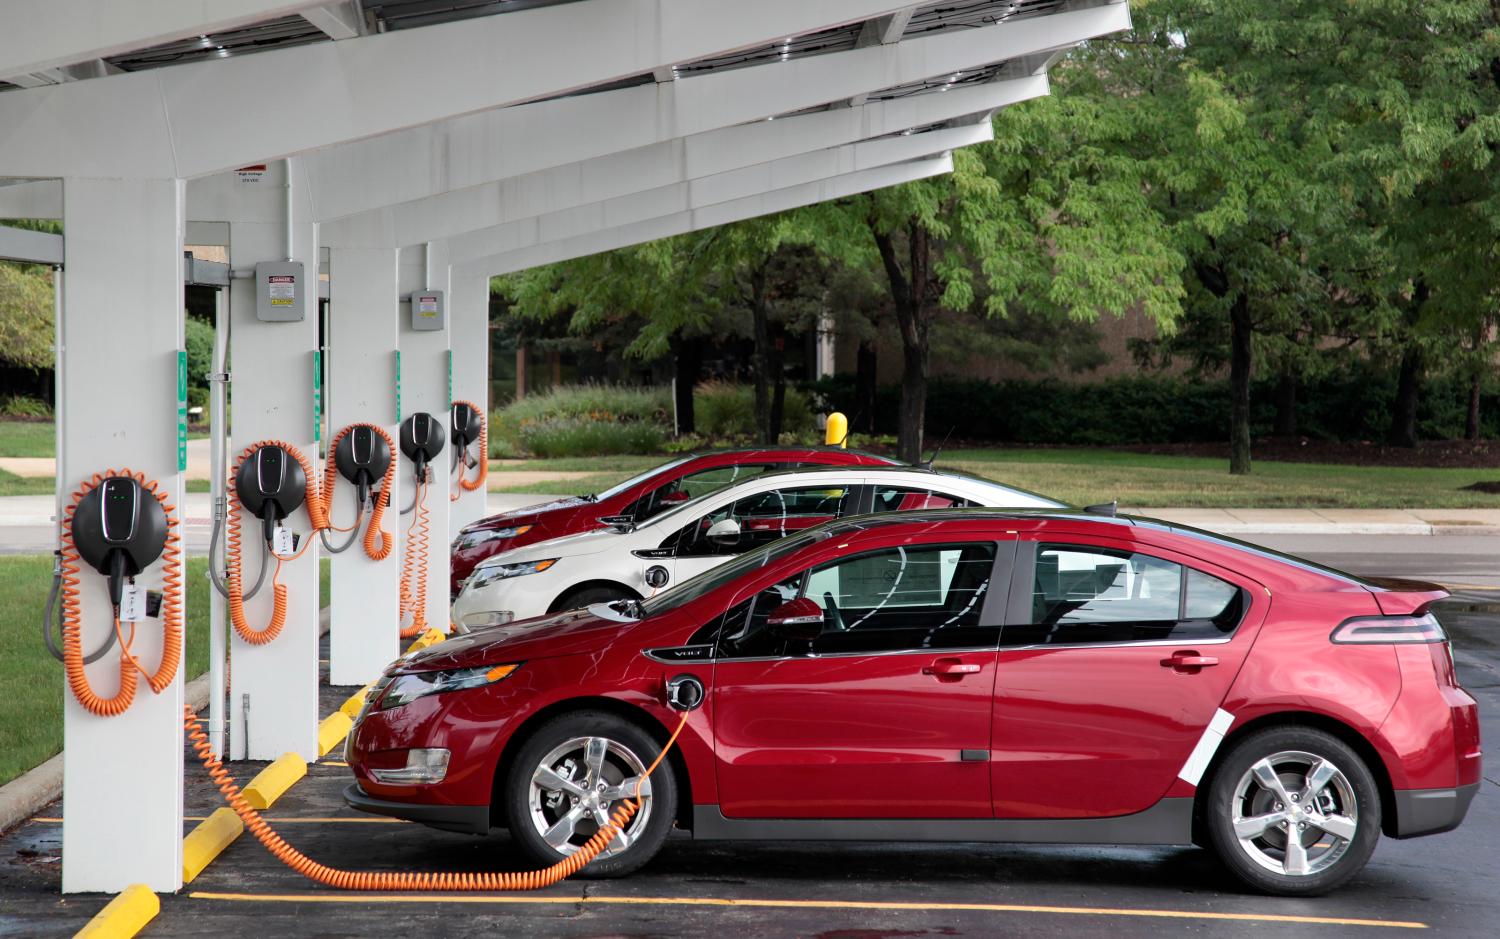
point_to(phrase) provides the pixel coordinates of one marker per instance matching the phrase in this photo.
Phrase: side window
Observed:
(760, 519)
(896, 499)
(691, 487)
(1086, 595)
(742, 629)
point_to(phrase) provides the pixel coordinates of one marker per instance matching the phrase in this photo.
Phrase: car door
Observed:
(886, 713)
(762, 517)
(1113, 660)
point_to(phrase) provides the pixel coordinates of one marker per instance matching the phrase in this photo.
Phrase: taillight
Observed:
(1382, 630)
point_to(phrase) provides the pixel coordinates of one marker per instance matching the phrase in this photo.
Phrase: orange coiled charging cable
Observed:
(413, 586)
(171, 611)
(378, 542)
(317, 512)
(470, 485)
(414, 880)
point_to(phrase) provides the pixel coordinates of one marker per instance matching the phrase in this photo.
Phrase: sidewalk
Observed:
(16, 511)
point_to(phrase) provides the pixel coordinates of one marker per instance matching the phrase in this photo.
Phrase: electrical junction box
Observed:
(280, 292)
(427, 310)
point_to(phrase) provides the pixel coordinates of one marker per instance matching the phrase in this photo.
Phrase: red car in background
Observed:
(637, 498)
(964, 675)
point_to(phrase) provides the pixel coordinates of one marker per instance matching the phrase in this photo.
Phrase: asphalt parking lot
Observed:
(1447, 883)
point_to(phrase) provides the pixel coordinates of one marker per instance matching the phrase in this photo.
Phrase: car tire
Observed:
(1258, 796)
(533, 811)
(588, 596)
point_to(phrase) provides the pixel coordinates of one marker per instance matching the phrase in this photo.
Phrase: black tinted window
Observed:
(758, 520)
(1085, 595)
(897, 599)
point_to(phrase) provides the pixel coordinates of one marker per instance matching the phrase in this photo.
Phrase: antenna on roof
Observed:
(1108, 509)
(927, 463)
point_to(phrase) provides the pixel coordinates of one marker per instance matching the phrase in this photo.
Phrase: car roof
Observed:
(1134, 522)
(812, 448)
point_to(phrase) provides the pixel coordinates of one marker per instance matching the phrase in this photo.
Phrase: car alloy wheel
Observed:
(1292, 810)
(578, 785)
(1295, 813)
(570, 774)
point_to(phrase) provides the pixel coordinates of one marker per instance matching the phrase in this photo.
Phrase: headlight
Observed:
(470, 539)
(405, 689)
(488, 574)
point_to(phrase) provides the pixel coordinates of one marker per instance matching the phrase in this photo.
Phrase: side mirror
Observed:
(675, 497)
(800, 619)
(725, 529)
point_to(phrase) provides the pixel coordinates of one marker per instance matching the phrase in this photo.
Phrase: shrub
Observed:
(24, 406)
(722, 409)
(1351, 404)
(558, 437)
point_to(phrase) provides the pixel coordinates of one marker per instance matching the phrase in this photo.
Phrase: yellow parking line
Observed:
(801, 904)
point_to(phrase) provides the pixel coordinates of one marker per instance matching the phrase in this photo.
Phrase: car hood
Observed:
(528, 515)
(566, 633)
(567, 546)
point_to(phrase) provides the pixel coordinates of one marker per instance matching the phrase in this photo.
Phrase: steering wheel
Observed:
(835, 616)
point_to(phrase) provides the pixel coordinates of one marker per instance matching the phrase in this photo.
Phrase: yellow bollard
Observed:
(837, 432)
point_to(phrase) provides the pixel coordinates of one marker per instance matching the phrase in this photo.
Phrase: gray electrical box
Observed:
(427, 310)
(280, 292)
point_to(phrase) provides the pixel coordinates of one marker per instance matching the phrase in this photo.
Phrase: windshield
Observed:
(710, 580)
(640, 478)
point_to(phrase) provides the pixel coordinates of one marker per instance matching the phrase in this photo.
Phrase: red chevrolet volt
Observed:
(637, 498)
(956, 675)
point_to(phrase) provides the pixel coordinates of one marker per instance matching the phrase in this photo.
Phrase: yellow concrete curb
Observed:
(271, 782)
(207, 840)
(124, 916)
(332, 731)
(428, 638)
(352, 704)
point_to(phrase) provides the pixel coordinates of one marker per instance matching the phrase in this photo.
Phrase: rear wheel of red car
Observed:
(1293, 811)
(588, 596)
(571, 775)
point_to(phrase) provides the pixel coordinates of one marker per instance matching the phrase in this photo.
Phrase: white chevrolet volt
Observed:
(635, 561)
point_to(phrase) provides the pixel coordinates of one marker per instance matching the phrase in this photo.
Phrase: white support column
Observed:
(121, 331)
(273, 705)
(425, 387)
(364, 619)
(469, 319)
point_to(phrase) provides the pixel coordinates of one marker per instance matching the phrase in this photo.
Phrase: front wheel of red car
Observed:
(1293, 811)
(571, 775)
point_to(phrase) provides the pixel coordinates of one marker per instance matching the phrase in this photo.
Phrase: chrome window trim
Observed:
(721, 660)
(1128, 644)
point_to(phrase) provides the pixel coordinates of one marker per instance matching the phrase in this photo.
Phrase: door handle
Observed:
(950, 669)
(1189, 662)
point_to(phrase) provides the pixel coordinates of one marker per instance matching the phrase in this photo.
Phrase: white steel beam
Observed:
(122, 316)
(44, 34)
(469, 338)
(363, 620)
(477, 149)
(425, 387)
(700, 194)
(718, 152)
(205, 117)
(722, 214)
(615, 173)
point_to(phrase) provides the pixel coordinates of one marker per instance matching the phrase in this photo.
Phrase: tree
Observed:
(1029, 222)
(26, 316)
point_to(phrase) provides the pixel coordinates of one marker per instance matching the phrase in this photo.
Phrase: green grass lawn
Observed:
(1139, 480)
(31, 722)
(26, 438)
